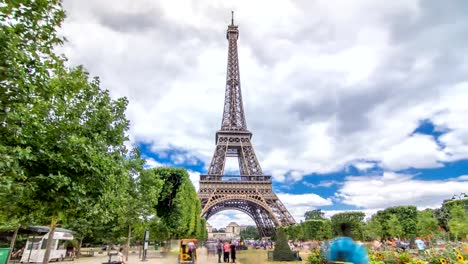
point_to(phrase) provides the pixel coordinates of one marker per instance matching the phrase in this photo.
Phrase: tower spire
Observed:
(233, 114)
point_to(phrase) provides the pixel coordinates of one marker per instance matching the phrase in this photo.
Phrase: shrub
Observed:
(282, 251)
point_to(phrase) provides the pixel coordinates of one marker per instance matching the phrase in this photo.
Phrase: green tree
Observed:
(427, 223)
(178, 207)
(355, 219)
(282, 252)
(373, 229)
(443, 213)
(314, 214)
(250, 232)
(395, 228)
(61, 138)
(458, 223)
(316, 229)
(407, 217)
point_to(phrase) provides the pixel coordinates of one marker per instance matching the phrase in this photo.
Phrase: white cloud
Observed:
(222, 219)
(195, 178)
(364, 166)
(417, 151)
(392, 189)
(298, 204)
(325, 184)
(324, 84)
(152, 163)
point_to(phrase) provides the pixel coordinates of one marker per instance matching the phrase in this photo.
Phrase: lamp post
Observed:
(461, 196)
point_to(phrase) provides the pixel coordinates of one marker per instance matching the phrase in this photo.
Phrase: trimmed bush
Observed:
(282, 251)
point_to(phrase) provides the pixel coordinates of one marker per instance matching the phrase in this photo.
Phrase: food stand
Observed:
(36, 245)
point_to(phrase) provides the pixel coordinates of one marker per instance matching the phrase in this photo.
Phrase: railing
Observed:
(262, 178)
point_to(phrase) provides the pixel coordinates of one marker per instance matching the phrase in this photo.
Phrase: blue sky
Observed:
(352, 105)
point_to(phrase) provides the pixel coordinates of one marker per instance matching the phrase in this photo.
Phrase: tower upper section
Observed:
(233, 114)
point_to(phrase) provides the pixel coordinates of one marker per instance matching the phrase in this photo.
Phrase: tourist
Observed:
(345, 249)
(226, 252)
(121, 257)
(420, 245)
(220, 251)
(233, 252)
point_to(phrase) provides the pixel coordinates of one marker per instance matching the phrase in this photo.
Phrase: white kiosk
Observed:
(36, 245)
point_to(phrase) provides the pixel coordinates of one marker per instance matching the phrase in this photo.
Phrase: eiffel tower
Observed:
(250, 192)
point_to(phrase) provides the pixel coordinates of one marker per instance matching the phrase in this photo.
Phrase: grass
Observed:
(259, 256)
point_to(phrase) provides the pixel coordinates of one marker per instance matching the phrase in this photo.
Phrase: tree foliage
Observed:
(314, 215)
(179, 207)
(282, 252)
(355, 219)
(427, 223)
(458, 223)
(250, 232)
(406, 216)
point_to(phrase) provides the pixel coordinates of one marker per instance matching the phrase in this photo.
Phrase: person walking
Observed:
(220, 249)
(121, 257)
(345, 249)
(233, 252)
(226, 248)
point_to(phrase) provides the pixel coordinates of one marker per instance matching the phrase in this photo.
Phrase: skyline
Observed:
(355, 107)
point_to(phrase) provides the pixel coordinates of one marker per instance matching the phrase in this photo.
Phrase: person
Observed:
(121, 257)
(220, 249)
(191, 246)
(226, 252)
(420, 245)
(345, 249)
(233, 252)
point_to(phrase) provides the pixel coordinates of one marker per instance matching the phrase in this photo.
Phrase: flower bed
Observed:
(432, 256)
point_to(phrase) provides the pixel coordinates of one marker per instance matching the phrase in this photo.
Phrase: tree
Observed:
(443, 214)
(458, 223)
(373, 229)
(314, 214)
(250, 232)
(61, 135)
(178, 207)
(407, 217)
(395, 228)
(427, 223)
(355, 219)
(316, 229)
(282, 252)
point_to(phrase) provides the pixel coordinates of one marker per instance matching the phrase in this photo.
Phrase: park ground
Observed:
(244, 257)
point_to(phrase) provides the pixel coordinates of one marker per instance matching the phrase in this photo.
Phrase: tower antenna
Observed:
(232, 18)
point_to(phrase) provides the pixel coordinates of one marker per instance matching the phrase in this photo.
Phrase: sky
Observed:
(353, 105)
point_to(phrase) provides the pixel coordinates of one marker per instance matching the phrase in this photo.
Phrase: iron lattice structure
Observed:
(250, 192)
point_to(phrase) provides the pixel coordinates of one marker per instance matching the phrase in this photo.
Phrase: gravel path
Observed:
(134, 258)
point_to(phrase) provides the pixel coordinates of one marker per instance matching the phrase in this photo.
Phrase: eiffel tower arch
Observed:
(250, 192)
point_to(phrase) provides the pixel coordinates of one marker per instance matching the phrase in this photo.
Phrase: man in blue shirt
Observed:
(344, 249)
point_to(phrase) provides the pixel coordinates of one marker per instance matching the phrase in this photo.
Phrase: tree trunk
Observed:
(78, 250)
(12, 244)
(128, 242)
(50, 239)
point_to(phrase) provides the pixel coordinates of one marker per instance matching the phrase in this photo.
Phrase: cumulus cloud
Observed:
(152, 163)
(331, 84)
(392, 189)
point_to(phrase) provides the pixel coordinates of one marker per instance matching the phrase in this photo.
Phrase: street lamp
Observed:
(460, 196)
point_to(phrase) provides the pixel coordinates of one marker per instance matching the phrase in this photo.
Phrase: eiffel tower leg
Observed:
(218, 161)
(252, 164)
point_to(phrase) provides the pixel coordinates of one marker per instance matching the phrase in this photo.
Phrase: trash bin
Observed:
(4, 255)
(156, 246)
